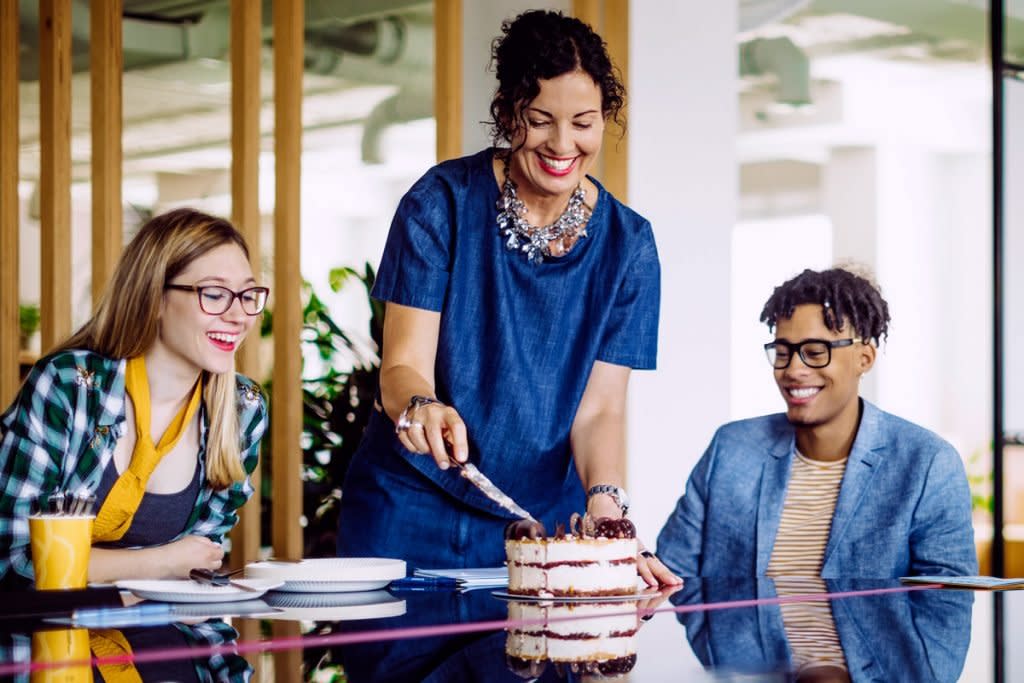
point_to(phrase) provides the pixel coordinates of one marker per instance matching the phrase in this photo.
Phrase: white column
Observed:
(683, 178)
(906, 211)
(849, 193)
(910, 236)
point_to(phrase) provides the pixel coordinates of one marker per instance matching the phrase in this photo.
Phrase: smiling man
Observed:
(833, 487)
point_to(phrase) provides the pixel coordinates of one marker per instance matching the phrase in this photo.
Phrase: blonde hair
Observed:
(126, 321)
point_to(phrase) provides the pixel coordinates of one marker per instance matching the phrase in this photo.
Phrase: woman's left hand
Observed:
(652, 571)
(648, 566)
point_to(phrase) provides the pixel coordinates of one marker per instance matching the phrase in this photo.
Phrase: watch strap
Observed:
(617, 493)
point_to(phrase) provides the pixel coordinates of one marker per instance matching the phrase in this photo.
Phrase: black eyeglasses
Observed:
(815, 353)
(216, 300)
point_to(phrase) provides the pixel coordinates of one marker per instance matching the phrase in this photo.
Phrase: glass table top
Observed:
(709, 630)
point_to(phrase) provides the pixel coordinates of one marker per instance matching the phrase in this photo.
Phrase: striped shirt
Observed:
(806, 517)
(810, 628)
(60, 432)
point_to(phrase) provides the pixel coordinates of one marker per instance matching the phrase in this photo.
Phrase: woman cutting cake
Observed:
(520, 294)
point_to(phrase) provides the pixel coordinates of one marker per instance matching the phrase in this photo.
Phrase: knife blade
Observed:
(470, 472)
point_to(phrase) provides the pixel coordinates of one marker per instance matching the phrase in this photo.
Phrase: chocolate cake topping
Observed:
(606, 527)
(617, 666)
(525, 668)
(608, 667)
(525, 528)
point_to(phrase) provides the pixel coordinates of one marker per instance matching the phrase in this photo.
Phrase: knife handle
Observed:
(208, 577)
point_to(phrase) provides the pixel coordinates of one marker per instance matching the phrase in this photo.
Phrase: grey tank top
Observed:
(160, 517)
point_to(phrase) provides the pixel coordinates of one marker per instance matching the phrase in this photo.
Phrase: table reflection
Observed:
(41, 648)
(922, 634)
(597, 639)
(746, 629)
(572, 641)
(465, 657)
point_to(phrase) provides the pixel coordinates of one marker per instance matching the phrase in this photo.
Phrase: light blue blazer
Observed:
(914, 636)
(904, 506)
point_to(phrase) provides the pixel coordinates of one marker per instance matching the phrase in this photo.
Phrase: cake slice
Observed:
(596, 558)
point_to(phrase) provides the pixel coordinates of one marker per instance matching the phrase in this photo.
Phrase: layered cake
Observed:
(597, 638)
(596, 558)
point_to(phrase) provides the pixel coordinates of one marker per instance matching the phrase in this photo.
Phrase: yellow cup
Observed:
(60, 550)
(63, 645)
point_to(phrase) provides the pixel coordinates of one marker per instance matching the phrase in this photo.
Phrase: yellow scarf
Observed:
(112, 643)
(115, 517)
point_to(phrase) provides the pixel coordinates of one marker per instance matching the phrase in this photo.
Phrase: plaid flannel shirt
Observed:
(60, 432)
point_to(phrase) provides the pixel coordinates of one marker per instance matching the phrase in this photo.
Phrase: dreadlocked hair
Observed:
(844, 297)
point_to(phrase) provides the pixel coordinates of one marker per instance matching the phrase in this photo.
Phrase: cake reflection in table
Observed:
(596, 639)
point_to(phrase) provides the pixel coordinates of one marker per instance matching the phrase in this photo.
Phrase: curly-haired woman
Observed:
(833, 487)
(520, 294)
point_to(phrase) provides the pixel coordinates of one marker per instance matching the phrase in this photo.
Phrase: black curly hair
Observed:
(843, 295)
(540, 45)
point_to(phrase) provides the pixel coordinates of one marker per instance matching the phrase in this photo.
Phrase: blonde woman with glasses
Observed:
(142, 409)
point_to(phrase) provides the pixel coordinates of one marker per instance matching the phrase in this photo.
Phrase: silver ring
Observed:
(404, 423)
(416, 424)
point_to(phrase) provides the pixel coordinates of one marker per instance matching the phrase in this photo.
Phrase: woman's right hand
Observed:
(437, 430)
(175, 560)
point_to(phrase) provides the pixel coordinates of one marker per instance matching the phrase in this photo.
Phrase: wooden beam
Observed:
(448, 78)
(591, 12)
(286, 413)
(610, 18)
(9, 202)
(55, 168)
(105, 67)
(246, 43)
(288, 663)
(616, 141)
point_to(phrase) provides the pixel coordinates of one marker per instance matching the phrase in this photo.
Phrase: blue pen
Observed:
(143, 614)
(423, 583)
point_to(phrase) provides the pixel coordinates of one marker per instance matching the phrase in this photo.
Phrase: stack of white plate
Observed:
(335, 607)
(329, 574)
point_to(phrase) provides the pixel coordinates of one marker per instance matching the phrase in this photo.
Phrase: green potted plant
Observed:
(335, 409)
(28, 323)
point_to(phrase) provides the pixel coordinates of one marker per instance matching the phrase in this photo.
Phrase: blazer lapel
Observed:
(772, 494)
(861, 467)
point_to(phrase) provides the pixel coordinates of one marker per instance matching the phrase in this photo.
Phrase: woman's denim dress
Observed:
(516, 346)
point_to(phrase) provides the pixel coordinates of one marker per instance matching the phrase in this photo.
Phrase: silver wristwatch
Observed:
(617, 493)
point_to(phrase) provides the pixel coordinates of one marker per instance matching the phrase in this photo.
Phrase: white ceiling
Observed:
(177, 116)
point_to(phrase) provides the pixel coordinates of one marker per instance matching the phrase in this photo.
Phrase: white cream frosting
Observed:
(599, 565)
(596, 631)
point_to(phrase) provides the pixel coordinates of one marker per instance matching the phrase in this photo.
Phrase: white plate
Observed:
(329, 574)
(639, 595)
(341, 607)
(186, 590)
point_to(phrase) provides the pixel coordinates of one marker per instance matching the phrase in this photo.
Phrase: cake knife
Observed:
(470, 472)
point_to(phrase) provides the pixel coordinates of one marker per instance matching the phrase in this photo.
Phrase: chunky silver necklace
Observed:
(535, 242)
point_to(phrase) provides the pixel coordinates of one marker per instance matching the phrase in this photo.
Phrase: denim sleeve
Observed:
(631, 336)
(417, 255)
(942, 534)
(680, 543)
